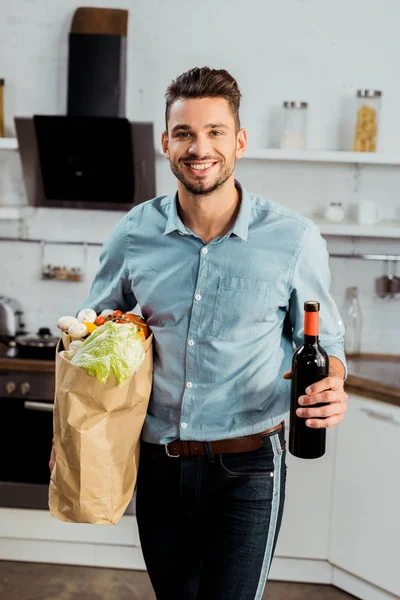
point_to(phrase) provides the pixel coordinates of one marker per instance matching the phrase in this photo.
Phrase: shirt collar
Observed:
(240, 228)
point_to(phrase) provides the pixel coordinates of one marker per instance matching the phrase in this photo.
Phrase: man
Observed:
(221, 277)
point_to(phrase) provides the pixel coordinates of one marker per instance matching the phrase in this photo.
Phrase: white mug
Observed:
(369, 212)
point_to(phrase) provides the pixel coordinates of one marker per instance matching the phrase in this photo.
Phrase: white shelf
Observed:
(14, 213)
(373, 158)
(8, 144)
(389, 229)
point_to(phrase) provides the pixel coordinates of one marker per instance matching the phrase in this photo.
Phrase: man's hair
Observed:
(203, 82)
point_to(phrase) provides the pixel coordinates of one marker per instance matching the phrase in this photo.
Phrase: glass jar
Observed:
(1, 107)
(366, 130)
(295, 125)
(335, 212)
(353, 322)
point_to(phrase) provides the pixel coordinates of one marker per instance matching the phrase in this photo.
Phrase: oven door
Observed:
(25, 447)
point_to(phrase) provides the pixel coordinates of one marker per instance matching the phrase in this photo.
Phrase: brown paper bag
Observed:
(97, 431)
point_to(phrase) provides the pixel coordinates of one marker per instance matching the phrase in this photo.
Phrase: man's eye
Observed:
(183, 134)
(216, 133)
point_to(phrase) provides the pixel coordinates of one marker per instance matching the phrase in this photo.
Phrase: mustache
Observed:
(194, 157)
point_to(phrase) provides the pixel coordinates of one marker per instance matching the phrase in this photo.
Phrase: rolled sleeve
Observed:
(112, 287)
(311, 281)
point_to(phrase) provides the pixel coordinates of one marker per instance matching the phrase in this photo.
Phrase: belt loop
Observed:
(210, 453)
(186, 448)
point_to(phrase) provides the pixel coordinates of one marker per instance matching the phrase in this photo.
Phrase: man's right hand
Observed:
(52, 460)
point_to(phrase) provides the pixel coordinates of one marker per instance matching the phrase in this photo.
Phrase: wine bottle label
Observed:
(311, 323)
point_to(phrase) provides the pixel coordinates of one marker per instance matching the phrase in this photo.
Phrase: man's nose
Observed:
(200, 145)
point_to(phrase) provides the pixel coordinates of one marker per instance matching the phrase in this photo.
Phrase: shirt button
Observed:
(190, 343)
(189, 384)
(204, 250)
(198, 296)
(340, 323)
(183, 425)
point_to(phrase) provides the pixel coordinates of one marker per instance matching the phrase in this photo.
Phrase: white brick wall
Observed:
(295, 49)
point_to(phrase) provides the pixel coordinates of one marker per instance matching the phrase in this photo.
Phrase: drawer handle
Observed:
(42, 406)
(379, 416)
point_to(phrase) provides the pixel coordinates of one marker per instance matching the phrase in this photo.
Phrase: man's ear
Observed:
(165, 143)
(241, 143)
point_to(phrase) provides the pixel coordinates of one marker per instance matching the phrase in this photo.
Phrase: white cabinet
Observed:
(365, 537)
(306, 518)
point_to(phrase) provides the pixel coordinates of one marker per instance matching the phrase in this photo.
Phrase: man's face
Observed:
(202, 144)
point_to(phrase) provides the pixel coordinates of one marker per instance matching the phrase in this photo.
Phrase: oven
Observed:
(27, 417)
(27, 402)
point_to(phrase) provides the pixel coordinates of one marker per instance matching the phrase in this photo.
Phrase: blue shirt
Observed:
(224, 314)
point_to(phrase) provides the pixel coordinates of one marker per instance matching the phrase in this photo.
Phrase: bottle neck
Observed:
(310, 340)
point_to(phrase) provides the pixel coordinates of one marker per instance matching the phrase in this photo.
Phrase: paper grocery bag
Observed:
(97, 431)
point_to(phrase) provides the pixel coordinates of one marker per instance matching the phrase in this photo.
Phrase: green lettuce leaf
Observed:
(112, 349)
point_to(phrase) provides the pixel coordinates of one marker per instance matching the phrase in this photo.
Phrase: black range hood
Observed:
(93, 157)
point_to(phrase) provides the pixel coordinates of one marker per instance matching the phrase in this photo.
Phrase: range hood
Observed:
(93, 157)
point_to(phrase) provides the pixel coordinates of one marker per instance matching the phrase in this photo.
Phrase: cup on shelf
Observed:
(368, 213)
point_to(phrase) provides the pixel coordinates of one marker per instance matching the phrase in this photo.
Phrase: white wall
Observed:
(292, 49)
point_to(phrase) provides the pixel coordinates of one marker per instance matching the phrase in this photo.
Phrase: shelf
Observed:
(389, 229)
(8, 144)
(15, 213)
(372, 158)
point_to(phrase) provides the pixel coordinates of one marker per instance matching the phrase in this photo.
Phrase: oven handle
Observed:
(43, 406)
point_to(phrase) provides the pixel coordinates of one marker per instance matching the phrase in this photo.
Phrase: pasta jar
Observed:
(366, 131)
(294, 132)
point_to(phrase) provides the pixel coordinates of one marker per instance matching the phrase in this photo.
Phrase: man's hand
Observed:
(52, 460)
(329, 390)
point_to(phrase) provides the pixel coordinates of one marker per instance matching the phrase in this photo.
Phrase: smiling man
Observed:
(221, 277)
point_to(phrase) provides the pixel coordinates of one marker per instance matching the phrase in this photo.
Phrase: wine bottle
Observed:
(310, 364)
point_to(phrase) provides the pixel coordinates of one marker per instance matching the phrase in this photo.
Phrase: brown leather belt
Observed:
(247, 443)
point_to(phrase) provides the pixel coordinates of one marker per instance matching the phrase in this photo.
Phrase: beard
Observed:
(200, 187)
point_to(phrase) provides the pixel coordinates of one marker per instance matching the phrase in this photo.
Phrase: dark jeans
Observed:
(208, 525)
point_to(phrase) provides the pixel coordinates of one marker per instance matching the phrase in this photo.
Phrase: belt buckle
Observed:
(170, 455)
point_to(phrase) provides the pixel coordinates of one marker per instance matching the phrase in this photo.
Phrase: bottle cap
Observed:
(311, 306)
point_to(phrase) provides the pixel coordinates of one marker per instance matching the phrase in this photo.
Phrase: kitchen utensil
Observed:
(40, 346)
(1, 107)
(11, 319)
(388, 285)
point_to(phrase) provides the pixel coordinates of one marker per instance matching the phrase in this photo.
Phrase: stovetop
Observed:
(26, 378)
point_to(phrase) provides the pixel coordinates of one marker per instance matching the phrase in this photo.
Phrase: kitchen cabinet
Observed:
(306, 519)
(366, 494)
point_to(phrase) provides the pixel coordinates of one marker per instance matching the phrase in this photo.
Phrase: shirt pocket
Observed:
(241, 305)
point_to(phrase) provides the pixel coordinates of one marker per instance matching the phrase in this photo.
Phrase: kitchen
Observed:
(301, 51)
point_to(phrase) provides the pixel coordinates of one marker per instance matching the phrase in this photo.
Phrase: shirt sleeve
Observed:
(111, 286)
(311, 281)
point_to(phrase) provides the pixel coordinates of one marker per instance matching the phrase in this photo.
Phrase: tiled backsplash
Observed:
(45, 301)
(303, 51)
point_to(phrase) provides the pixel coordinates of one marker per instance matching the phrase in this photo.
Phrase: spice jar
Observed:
(1, 107)
(295, 126)
(62, 273)
(366, 131)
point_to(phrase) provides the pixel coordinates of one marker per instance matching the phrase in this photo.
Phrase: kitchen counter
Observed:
(24, 364)
(375, 376)
(370, 375)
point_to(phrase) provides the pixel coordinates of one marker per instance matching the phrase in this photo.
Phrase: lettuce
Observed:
(112, 349)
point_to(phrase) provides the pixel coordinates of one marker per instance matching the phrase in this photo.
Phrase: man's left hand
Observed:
(330, 391)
